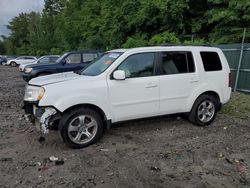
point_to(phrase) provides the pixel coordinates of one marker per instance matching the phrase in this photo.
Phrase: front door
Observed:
(138, 95)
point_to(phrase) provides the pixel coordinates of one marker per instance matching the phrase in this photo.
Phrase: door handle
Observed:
(193, 80)
(151, 85)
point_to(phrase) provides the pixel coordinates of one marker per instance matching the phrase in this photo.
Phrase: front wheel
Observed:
(204, 110)
(81, 127)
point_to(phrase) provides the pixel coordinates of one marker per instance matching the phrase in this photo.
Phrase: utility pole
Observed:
(240, 60)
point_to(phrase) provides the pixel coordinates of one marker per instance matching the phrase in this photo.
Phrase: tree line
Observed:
(66, 25)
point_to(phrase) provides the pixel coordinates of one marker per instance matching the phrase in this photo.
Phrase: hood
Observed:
(38, 65)
(26, 64)
(53, 78)
(29, 63)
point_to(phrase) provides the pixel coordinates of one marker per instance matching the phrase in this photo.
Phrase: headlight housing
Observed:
(27, 70)
(33, 93)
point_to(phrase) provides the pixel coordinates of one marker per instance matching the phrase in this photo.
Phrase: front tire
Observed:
(204, 110)
(81, 127)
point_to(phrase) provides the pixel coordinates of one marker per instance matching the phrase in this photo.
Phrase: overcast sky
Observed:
(11, 8)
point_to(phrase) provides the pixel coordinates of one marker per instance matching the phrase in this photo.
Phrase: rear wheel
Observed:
(204, 110)
(13, 64)
(81, 127)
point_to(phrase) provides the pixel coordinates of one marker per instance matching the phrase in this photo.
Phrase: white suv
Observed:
(128, 84)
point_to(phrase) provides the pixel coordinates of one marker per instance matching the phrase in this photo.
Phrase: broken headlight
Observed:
(33, 93)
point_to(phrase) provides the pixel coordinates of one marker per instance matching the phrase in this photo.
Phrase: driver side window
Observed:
(138, 65)
(73, 59)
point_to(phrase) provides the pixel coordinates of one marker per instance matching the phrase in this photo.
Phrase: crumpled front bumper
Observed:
(41, 117)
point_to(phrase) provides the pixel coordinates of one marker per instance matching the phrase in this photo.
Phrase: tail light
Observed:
(229, 80)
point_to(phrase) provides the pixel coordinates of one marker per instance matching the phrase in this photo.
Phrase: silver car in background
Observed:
(42, 60)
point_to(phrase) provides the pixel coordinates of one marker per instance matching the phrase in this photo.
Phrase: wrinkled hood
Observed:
(53, 78)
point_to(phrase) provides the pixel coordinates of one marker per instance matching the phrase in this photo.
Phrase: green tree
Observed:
(165, 37)
(2, 47)
(66, 25)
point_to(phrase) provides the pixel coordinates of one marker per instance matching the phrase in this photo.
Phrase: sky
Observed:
(11, 8)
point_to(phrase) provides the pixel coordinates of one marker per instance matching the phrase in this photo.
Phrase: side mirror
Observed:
(63, 61)
(119, 75)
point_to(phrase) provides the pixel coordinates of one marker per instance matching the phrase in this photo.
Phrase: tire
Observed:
(13, 64)
(76, 128)
(204, 110)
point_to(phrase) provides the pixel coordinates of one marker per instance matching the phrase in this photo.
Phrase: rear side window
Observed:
(211, 61)
(30, 58)
(177, 62)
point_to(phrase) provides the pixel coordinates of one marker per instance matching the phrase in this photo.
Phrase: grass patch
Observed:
(238, 106)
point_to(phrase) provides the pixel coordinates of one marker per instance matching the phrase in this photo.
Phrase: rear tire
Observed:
(81, 127)
(204, 110)
(13, 64)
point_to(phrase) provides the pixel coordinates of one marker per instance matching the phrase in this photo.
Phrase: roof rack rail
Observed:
(173, 44)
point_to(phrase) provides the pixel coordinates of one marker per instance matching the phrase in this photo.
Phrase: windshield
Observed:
(40, 59)
(101, 64)
(60, 58)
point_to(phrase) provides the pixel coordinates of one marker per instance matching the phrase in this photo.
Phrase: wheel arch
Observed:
(12, 62)
(211, 93)
(87, 105)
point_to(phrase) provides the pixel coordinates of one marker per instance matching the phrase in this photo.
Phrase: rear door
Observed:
(177, 81)
(29, 59)
(138, 95)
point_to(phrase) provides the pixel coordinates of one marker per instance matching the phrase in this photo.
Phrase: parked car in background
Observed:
(8, 58)
(3, 60)
(131, 84)
(71, 61)
(42, 60)
(20, 60)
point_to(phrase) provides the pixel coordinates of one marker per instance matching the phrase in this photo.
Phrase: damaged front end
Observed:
(43, 118)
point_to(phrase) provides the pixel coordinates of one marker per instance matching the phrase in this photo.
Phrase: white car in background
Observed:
(20, 60)
(42, 60)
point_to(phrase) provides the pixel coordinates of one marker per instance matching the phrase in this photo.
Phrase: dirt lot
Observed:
(158, 152)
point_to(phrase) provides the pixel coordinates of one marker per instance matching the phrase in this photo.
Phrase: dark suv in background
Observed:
(71, 61)
(3, 60)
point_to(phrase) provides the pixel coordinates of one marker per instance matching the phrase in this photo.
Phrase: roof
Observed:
(159, 48)
(119, 50)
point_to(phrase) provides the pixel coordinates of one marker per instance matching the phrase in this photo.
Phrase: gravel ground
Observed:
(158, 152)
